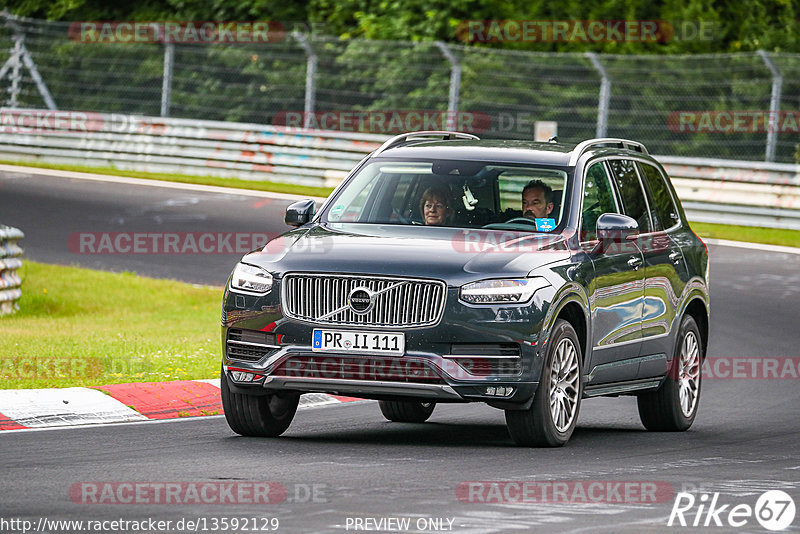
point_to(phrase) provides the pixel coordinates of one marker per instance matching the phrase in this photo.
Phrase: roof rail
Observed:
(583, 146)
(412, 136)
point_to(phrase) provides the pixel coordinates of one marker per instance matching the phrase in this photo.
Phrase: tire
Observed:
(550, 423)
(673, 406)
(407, 411)
(258, 416)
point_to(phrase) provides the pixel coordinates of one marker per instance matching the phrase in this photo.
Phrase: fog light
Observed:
(499, 391)
(242, 376)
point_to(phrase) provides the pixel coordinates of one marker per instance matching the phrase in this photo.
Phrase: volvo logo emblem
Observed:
(361, 300)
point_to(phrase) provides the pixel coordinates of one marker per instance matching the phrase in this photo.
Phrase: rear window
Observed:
(630, 192)
(662, 208)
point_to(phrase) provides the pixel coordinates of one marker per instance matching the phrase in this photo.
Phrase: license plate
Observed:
(358, 342)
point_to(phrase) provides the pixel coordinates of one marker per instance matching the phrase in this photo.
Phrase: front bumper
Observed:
(431, 369)
(436, 392)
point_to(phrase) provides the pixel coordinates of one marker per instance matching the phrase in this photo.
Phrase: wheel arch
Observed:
(697, 309)
(572, 307)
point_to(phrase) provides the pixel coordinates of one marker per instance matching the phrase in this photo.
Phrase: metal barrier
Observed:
(183, 146)
(10, 262)
(722, 191)
(737, 192)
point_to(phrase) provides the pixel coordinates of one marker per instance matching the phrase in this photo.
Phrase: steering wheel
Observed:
(523, 220)
(400, 217)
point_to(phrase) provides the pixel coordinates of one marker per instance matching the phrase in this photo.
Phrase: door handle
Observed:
(675, 256)
(635, 262)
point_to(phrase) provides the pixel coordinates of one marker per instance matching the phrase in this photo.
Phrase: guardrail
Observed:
(722, 191)
(737, 192)
(10, 262)
(183, 146)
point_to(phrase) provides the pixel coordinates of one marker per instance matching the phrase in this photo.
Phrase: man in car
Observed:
(537, 200)
(435, 206)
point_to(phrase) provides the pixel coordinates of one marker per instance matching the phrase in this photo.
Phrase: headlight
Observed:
(502, 290)
(251, 279)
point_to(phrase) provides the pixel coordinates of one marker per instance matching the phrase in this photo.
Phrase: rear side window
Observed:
(630, 192)
(662, 207)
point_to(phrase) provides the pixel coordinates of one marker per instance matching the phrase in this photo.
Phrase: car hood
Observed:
(450, 254)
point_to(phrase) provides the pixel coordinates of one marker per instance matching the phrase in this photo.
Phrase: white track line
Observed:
(752, 246)
(151, 183)
(164, 421)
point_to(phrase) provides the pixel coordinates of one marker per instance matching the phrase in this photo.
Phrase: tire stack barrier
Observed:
(10, 262)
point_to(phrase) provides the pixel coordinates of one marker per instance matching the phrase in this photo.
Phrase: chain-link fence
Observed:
(736, 106)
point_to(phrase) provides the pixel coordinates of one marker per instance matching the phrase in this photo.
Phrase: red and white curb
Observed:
(121, 403)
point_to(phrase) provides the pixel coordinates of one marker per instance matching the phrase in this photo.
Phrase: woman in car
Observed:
(435, 206)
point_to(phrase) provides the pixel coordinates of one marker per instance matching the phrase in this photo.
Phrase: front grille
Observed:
(374, 368)
(398, 302)
(250, 345)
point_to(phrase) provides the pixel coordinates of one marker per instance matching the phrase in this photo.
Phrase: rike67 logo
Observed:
(773, 510)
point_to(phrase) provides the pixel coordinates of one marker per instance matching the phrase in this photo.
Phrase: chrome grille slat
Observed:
(400, 302)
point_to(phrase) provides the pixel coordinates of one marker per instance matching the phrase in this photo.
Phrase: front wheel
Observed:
(552, 417)
(673, 406)
(258, 416)
(406, 411)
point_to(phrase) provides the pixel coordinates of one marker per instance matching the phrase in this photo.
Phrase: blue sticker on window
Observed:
(545, 225)
(317, 339)
(336, 212)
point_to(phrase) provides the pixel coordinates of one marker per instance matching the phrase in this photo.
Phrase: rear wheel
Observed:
(406, 411)
(673, 406)
(258, 416)
(552, 417)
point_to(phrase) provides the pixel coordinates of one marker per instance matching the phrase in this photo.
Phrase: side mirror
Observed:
(613, 228)
(300, 212)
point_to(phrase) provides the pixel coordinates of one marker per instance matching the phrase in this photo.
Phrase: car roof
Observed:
(507, 151)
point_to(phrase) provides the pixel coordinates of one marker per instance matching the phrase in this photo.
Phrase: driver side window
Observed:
(598, 198)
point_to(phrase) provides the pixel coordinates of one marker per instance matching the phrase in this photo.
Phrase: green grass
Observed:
(79, 327)
(273, 187)
(752, 234)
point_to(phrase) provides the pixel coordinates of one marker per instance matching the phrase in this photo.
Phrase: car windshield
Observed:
(461, 194)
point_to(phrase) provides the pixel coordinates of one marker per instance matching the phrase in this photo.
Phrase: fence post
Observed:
(166, 86)
(16, 71)
(455, 84)
(311, 78)
(774, 105)
(19, 57)
(605, 95)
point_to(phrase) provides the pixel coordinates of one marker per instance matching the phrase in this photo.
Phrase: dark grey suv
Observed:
(444, 268)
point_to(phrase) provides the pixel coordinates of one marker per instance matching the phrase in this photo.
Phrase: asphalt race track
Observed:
(343, 463)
